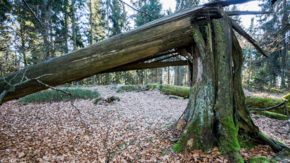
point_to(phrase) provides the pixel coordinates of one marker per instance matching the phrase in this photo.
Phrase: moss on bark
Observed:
(176, 90)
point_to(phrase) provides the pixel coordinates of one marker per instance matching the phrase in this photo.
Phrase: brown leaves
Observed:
(53, 132)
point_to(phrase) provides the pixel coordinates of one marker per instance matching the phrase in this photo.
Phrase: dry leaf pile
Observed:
(123, 131)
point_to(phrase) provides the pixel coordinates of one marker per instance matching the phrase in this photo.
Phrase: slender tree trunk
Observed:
(52, 50)
(284, 46)
(250, 64)
(65, 25)
(145, 76)
(73, 25)
(23, 44)
(168, 73)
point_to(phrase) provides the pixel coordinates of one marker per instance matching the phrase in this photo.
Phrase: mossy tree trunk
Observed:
(216, 109)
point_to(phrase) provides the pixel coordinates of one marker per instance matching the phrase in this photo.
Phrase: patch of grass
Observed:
(54, 96)
(128, 88)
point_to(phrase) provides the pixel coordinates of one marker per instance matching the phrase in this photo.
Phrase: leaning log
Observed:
(159, 36)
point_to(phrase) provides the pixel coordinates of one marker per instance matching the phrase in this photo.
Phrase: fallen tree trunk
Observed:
(160, 36)
(176, 90)
(251, 102)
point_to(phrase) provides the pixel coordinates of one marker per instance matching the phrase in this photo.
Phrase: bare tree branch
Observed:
(136, 9)
(32, 12)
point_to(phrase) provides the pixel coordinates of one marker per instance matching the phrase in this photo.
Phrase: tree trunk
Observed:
(216, 107)
(145, 77)
(168, 73)
(74, 38)
(23, 43)
(250, 64)
(284, 46)
(65, 26)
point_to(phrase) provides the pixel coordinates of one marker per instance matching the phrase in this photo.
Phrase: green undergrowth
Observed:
(55, 96)
(137, 88)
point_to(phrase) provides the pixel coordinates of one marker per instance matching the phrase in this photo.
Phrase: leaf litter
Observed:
(54, 132)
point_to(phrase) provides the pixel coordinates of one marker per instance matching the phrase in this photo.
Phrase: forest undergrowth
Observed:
(128, 130)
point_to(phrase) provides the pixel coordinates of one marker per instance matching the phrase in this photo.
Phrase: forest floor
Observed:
(124, 131)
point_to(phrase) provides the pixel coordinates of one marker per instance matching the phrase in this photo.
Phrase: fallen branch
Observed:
(109, 155)
(32, 12)
(274, 107)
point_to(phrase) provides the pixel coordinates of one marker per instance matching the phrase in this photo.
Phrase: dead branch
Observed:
(274, 107)
(32, 12)
(136, 9)
(12, 86)
(112, 154)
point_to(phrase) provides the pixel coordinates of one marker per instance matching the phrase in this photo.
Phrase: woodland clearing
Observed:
(124, 131)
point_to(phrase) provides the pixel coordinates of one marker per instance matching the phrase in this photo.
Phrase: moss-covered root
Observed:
(271, 143)
(261, 159)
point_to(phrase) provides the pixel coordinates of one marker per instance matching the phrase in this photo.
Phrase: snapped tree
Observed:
(216, 113)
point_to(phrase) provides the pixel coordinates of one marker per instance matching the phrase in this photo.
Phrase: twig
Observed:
(69, 94)
(136, 155)
(12, 86)
(174, 154)
(32, 12)
(116, 151)
(24, 74)
(136, 9)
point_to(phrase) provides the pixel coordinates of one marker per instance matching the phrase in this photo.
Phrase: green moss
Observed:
(245, 142)
(275, 90)
(176, 90)
(98, 99)
(287, 97)
(261, 159)
(55, 96)
(177, 147)
(260, 103)
(129, 88)
(229, 144)
(153, 86)
(272, 115)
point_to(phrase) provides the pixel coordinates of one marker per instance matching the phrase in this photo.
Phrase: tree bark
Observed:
(216, 109)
